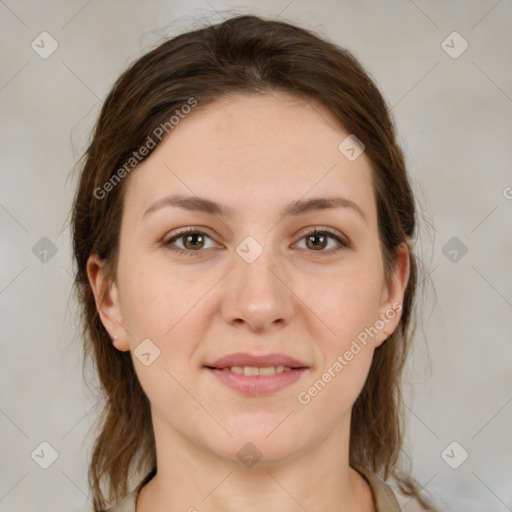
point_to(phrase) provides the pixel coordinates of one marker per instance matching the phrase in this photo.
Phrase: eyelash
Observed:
(168, 243)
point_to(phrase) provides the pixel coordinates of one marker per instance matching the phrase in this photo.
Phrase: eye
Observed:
(318, 240)
(193, 241)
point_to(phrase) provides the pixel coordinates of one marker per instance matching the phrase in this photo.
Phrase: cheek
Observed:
(347, 302)
(172, 307)
(331, 392)
(156, 301)
(161, 305)
(352, 306)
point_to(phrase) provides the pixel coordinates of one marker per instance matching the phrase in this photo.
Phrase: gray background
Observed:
(454, 118)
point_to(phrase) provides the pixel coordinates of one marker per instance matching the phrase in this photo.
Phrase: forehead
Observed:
(252, 152)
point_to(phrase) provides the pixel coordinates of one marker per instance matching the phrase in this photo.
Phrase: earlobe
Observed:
(121, 344)
(107, 302)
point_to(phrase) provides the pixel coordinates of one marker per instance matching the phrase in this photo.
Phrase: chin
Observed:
(258, 453)
(264, 443)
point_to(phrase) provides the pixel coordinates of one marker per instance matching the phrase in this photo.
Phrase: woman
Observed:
(243, 232)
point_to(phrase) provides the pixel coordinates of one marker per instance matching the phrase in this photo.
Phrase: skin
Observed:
(255, 154)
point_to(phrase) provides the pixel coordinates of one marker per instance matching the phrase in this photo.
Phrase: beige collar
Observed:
(383, 496)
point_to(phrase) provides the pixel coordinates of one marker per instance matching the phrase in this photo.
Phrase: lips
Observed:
(257, 375)
(243, 359)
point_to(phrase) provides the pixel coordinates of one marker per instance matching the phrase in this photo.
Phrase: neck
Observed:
(193, 479)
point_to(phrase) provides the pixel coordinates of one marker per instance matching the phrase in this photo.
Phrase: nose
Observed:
(258, 295)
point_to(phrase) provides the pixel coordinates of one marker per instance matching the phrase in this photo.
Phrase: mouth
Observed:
(257, 375)
(264, 362)
(251, 371)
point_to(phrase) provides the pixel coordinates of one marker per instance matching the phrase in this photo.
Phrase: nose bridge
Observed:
(256, 293)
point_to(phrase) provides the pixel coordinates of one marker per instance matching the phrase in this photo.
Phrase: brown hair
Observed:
(252, 55)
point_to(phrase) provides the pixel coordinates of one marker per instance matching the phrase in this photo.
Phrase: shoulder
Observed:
(129, 502)
(406, 502)
(387, 497)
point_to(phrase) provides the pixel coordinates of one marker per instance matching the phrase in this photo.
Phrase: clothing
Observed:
(383, 495)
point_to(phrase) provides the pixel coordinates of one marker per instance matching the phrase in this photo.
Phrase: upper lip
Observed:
(245, 359)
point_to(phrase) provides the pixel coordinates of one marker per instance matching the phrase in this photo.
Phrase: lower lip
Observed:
(257, 384)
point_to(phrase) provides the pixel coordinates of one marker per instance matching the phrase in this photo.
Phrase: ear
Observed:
(106, 296)
(390, 309)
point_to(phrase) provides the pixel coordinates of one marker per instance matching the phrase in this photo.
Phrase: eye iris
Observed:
(317, 244)
(192, 239)
(195, 240)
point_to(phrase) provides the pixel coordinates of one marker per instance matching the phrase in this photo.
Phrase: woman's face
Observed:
(252, 279)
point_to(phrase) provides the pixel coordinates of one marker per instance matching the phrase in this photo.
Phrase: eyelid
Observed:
(166, 242)
(341, 239)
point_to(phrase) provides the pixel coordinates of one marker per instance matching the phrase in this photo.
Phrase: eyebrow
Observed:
(295, 208)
